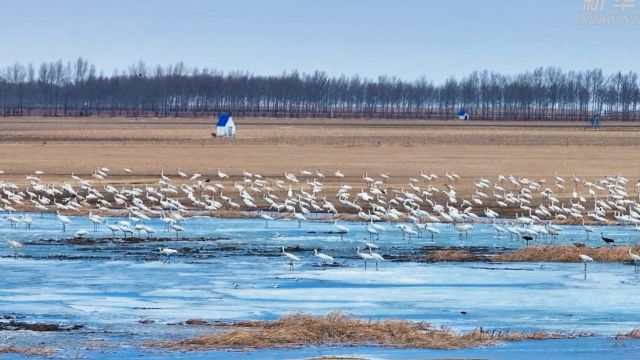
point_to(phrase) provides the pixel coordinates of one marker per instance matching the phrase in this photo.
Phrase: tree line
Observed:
(75, 88)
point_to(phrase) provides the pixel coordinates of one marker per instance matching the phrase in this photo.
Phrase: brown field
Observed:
(59, 146)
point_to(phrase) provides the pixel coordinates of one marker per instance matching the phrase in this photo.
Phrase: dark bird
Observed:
(607, 240)
(527, 238)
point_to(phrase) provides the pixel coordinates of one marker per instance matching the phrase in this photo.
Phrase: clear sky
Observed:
(406, 38)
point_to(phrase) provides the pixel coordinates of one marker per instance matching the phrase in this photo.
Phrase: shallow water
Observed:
(232, 269)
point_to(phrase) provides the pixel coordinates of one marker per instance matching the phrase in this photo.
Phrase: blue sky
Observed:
(406, 38)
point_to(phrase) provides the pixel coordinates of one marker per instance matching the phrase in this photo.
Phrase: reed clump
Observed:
(566, 254)
(633, 334)
(39, 351)
(339, 329)
(452, 255)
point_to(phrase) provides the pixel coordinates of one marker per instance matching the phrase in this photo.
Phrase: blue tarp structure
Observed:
(222, 119)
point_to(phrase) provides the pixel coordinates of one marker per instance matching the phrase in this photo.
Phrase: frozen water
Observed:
(232, 269)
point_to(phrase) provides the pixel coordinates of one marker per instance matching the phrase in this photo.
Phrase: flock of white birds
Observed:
(422, 201)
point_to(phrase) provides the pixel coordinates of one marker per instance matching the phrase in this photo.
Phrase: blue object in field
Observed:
(462, 112)
(595, 121)
(222, 119)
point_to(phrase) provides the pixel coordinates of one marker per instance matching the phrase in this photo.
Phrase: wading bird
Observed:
(15, 245)
(292, 258)
(341, 229)
(168, 252)
(585, 259)
(376, 257)
(607, 240)
(364, 256)
(635, 258)
(324, 257)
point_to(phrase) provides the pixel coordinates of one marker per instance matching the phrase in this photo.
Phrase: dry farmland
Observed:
(402, 148)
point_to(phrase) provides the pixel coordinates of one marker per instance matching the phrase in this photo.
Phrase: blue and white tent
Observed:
(463, 114)
(225, 126)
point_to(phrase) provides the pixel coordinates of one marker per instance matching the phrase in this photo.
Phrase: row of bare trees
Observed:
(76, 89)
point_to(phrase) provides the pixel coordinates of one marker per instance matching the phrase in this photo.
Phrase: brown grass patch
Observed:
(339, 329)
(197, 322)
(27, 351)
(451, 255)
(633, 334)
(566, 254)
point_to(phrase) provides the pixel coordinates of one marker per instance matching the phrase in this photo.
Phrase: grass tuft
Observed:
(566, 254)
(451, 255)
(633, 334)
(339, 329)
(27, 351)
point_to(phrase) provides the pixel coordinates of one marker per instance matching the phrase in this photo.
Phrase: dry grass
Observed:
(633, 334)
(538, 254)
(339, 329)
(59, 146)
(148, 145)
(197, 322)
(565, 254)
(451, 255)
(27, 351)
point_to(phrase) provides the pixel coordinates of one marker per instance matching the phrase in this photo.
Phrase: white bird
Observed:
(222, 175)
(177, 228)
(167, 252)
(149, 230)
(376, 257)
(299, 217)
(432, 230)
(463, 228)
(292, 258)
(113, 229)
(499, 229)
(96, 220)
(588, 229)
(372, 231)
(266, 218)
(364, 256)
(27, 221)
(15, 245)
(341, 229)
(370, 245)
(324, 257)
(635, 258)
(64, 220)
(163, 177)
(585, 259)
